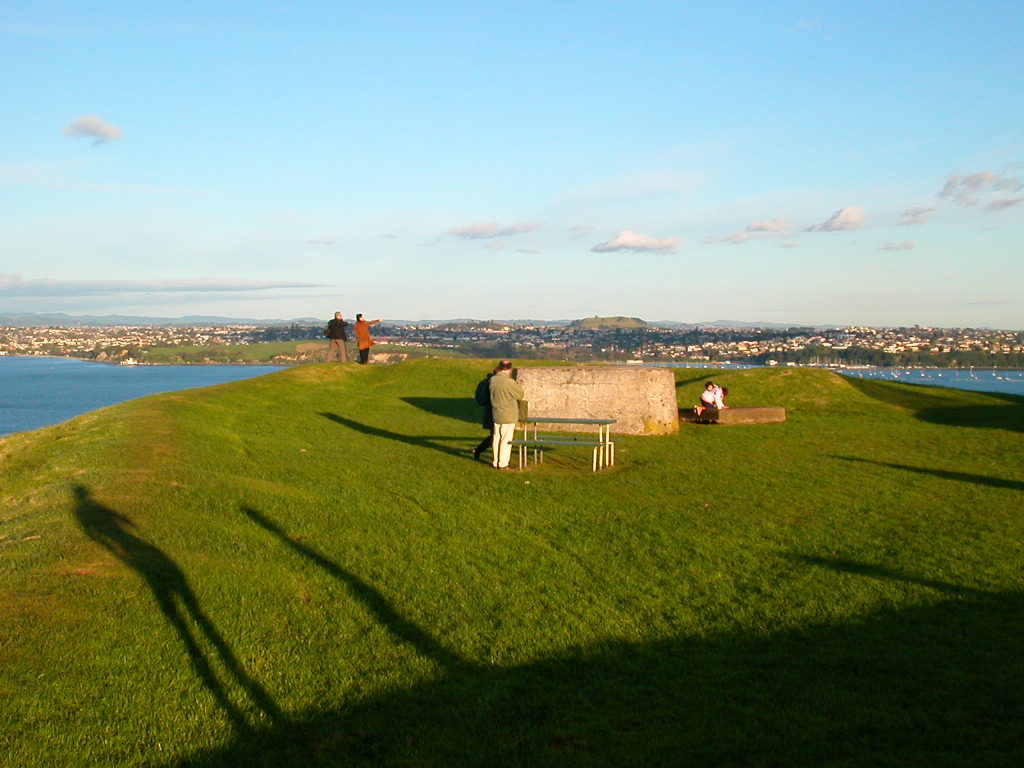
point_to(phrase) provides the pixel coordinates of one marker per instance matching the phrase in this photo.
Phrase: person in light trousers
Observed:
(506, 393)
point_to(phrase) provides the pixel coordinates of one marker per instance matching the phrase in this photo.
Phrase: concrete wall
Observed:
(643, 400)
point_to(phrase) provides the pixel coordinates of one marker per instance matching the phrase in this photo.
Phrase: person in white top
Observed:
(713, 396)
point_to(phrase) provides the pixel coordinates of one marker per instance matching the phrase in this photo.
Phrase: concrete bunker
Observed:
(641, 400)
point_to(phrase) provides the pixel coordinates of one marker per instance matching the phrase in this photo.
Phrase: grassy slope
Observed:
(308, 568)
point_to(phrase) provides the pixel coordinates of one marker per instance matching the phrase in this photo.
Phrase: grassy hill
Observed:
(309, 569)
(609, 323)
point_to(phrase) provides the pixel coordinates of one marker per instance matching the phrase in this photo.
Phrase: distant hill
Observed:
(608, 323)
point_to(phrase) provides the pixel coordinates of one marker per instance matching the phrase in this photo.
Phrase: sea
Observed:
(39, 391)
(1009, 381)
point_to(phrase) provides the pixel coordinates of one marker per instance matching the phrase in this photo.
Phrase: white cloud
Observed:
(91, 126)
(488, 229)
(919, 215)
(13, 285)
(1006, 202)
(627, 240)
(905, 245)
(773, 225)
(850, 217)
(736, 238)
(755, 229)
(975, 188)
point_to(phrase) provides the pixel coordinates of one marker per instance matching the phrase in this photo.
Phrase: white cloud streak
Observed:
(773, 225)
(850, 217)
(905, 245)
(94, 127)
(915, 216)
(627, 240)
(755, 229)
(1006, 202)
(975, 188)
(484, 230)
(13, 285)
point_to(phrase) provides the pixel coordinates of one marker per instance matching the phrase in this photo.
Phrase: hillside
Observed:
(308, 568)
(609, 323)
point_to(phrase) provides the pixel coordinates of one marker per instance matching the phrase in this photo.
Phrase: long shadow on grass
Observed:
(706, 374)
(180, 607)
(939, 685)
(947, 408)
(461, 408)
(401, 629)
(962, 477)
(421, 441)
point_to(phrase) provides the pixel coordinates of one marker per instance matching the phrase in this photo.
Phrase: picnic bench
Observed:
(603, 448)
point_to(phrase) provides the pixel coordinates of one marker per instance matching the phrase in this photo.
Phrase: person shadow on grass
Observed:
(401, 628)
(165, 579)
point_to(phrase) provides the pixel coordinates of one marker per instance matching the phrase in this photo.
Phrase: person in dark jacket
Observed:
(483, 399)
(336, 333)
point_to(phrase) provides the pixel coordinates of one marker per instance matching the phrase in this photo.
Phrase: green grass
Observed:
(309, 569)
(237, 353)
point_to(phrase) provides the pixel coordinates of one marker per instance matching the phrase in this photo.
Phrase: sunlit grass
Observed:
(309, 568)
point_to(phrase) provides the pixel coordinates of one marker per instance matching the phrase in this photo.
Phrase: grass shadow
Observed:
(459, 408)
(705, 376)
(938, 684)
(179, 605)
(434, 442)
(400, 628)
(935, 406)
(962, 477)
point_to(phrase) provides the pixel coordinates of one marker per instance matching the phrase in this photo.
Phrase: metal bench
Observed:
(603, 447)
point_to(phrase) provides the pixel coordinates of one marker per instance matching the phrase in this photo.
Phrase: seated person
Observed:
(713, 396)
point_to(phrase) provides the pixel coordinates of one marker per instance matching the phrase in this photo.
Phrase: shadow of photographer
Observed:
(179, 605)
(932, 683)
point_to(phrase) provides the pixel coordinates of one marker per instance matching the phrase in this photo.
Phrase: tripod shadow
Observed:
(460, 408)
(401, 628)
(420, 441)
(179, 605)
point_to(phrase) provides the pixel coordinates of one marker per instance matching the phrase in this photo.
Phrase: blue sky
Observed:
(803, 162)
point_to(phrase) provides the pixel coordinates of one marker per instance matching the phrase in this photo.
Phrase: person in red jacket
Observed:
(363, 340)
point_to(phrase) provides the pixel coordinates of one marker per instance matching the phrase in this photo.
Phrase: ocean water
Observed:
(36, 392)
(973, 379)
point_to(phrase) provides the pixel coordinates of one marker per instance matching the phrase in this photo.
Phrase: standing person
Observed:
(336, 333)
(506, 393)
(363, 340)
(483, 399)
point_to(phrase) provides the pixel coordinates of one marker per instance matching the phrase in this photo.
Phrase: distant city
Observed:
(616, 339)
